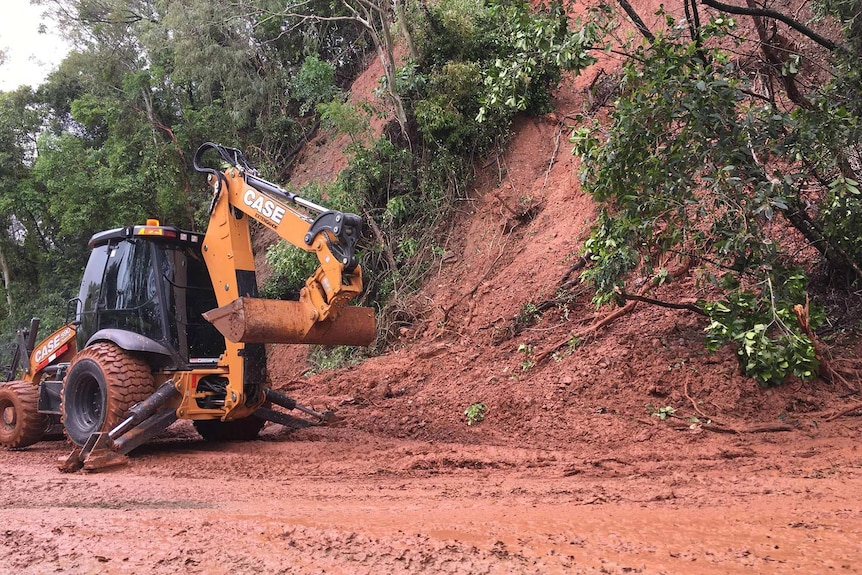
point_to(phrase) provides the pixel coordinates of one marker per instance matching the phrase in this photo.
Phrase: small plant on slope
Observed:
(475, 413)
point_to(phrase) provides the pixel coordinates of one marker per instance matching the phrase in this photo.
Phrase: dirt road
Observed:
(342, 501)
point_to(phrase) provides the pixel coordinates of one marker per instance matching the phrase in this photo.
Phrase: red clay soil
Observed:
(569, 472)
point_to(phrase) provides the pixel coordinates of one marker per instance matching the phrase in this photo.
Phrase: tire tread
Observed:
(31, 425)
(128, 380)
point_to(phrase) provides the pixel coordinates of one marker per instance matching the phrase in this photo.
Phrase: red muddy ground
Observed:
(568, 473)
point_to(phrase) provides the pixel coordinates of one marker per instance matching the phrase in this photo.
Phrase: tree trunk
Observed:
(7, 279)
(401, 16)
(386, 50)
(151, 117)
(777, 49)
(800, 220)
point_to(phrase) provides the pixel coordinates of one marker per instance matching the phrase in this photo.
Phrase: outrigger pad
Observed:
(98, 453)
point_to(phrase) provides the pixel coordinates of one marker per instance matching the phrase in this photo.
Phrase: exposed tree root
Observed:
(564, 293)
(515, 214)
(568, 281)
(694, 403)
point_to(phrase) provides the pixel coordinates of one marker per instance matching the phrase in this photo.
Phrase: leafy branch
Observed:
(685, 167)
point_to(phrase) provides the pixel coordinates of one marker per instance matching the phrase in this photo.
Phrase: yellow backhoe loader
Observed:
(168, 325)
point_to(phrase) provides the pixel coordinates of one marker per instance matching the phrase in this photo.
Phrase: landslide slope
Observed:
(505, 296)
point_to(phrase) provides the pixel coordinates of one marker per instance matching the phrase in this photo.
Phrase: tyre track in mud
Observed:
(340, 501)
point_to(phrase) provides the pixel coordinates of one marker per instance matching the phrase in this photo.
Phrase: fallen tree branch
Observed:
(588, 331)
(765, 428)
(777, 49)
(628, 307)
(649, 300)
(764, 12)
(844, 412)
(636, 20)
(553, 160)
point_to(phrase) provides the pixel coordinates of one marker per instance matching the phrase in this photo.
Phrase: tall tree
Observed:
(21, 210)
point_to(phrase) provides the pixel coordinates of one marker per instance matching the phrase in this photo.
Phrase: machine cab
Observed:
(145, 288)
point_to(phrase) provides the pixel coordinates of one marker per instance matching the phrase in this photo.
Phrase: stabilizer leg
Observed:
(146, 420)
(97, 451)
(278, 398)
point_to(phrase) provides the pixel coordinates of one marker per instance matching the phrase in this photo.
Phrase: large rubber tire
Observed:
(102, 383)
(21, 424)
(244, 429)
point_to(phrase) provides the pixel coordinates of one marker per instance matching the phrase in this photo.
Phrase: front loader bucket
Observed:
(255, 320)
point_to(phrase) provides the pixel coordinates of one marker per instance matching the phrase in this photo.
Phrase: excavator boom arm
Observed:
(318, 316)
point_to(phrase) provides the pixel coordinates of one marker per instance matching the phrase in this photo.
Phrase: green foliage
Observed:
(290, 268)
(612, 247)
(407, 192)
(445, 117)
(378, 172)
(344, 118)
(314, 84)
(528, 362)
(326, 358)
(383, 178)
(764, 330)
(681, 171)
(484, 62)
(528, 315)
(111, 175)
(661, 412)
(31, 272)
(842, 214)
(846, 13)
(475, 413)
(118, 122)
(533, 48)
(49, 305)
(116, 125)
